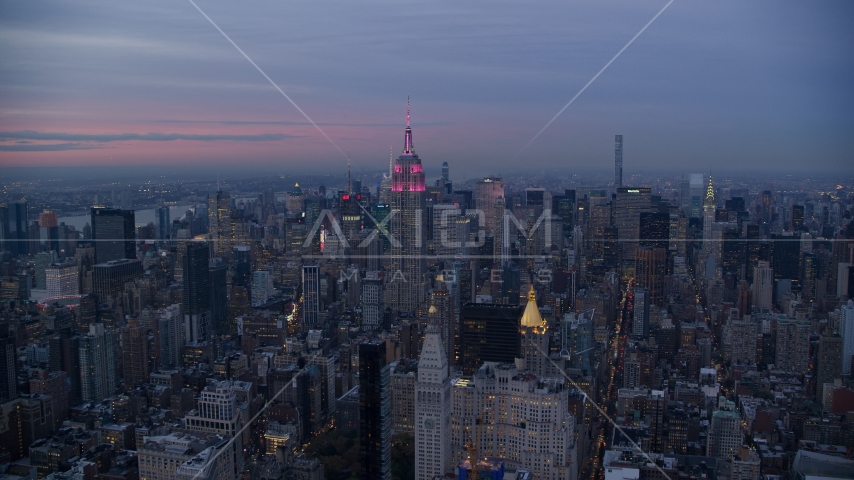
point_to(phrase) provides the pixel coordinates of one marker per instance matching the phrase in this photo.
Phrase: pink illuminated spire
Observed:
(407, 142)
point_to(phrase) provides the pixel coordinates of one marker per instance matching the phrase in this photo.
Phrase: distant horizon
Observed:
(236, 173)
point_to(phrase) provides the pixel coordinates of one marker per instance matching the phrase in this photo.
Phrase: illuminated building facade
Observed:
(406, 273)
(432, 408)
(62, 279)
(517, 416)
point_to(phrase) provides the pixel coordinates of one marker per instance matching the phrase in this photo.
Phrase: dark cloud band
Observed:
(52, 147)
(151, 137)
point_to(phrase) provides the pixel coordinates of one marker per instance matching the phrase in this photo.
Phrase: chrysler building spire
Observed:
(710, 192)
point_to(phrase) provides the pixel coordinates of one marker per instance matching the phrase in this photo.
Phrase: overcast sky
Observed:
(724, 84)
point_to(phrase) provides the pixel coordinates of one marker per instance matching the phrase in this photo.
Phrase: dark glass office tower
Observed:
(785, 257)
(488, 333)
(753, 249)
(241, 266)
(218, 272)
(197, 292)
(654, 229)
(510, 285)
(374, 411)
(14, 228)
(113, 232)
(310, 296)
(4, 227)
(610, 247)
(535, 197)
(797, 217)
(109, 278)
(564, 207)
(578, 341)
(809, 275)
(734, 204)
(8, 365)
(733, 254)
(650, 270)
(65, 357)
(618, 161)
(163, 223)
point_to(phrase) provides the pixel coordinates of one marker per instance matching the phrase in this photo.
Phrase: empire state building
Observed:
(405, 278)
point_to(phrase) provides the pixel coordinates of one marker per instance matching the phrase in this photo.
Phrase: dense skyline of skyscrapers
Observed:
(299, 302)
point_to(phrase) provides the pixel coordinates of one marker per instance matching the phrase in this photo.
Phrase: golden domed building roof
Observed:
(532, 318)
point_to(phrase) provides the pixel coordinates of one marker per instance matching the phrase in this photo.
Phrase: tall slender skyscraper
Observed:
(640, 315)
(218, 273)
(8, 365)
(310, 295)
(708, 215)
(163, 222)
(486, 192)
(15, 227)
(500, 245)
(372, 301)
(629, 204)
(97, 363)
(767, 215)
(219, 223)
(197, 293)
(446, 184)
(134, 339)
(5, 239)
(113, 232)
(846, 329)
(763, 286)
(578, 342)
(432, 407)
(618, 161)
(405, 278)
(374, 411)
(171, 334)
(650, 270)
